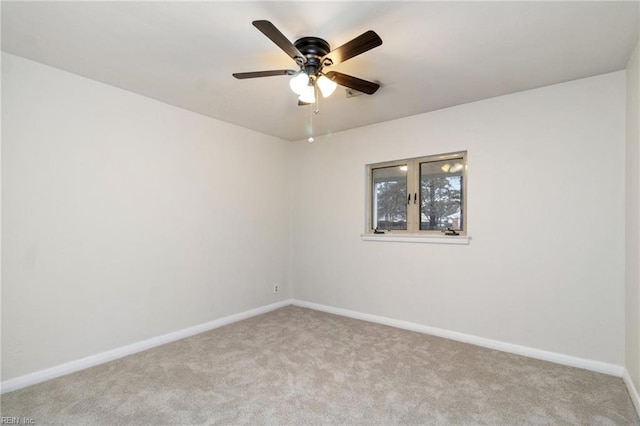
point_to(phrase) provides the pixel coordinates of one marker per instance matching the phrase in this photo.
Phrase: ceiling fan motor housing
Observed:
(313, 49)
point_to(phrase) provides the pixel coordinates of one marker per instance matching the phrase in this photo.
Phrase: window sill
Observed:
(413, 238)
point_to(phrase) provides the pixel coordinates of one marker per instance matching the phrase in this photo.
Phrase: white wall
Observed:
(125, 218)
(545, 267)
(632, 222)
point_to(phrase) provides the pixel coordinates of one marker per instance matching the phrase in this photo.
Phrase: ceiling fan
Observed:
(313, 55)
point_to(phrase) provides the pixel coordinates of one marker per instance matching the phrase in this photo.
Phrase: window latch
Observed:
(450, 231)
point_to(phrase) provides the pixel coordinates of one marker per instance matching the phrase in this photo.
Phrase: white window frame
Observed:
(413, 187)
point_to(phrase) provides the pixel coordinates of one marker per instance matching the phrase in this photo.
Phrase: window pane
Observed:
(441, 195)
(389, 203)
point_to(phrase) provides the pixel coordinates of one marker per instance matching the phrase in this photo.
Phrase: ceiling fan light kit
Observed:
(312, 55)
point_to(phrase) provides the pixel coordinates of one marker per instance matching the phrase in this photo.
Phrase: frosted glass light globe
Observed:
(327, 87)
(298, 83)
(308, 95)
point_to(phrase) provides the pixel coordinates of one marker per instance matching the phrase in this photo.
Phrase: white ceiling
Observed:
(434, 54)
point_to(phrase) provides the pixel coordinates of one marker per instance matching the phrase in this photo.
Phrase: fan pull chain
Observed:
(310, 140)
(317, 110)
(313, 111)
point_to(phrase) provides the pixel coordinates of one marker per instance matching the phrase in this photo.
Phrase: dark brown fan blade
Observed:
(256, 74)
(351, 82)
(300, 103)
(358, 45)
(274, 34)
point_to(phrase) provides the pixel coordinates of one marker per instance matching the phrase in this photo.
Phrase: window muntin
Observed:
(418, 195)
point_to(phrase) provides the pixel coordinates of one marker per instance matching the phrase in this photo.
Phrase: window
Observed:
(418, 195)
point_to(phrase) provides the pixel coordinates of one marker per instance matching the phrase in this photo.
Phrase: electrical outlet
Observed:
(276, 288)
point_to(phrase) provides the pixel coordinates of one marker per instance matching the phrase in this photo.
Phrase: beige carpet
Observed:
(298, 366)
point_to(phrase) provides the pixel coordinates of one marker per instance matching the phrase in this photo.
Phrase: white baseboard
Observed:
(633, 391)
(587, 364)
(101, 358)
(93, 360)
